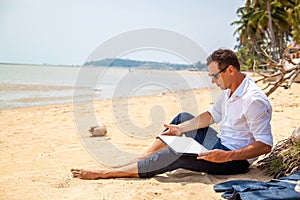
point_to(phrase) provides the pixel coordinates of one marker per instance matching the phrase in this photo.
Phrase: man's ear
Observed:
(231, 69)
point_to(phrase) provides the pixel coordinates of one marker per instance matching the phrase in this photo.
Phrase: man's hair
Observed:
(224, 57)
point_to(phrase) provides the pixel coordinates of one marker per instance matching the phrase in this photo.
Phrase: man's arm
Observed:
(253, 150)
(201, 121)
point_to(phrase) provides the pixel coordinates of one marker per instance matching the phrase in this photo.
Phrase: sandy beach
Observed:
(39, 146)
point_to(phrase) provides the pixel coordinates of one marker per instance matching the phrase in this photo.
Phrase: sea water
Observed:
(32, 85)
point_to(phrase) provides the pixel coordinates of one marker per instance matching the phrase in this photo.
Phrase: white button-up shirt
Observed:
(245, 116)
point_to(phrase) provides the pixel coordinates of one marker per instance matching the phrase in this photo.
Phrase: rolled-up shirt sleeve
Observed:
(258, 116)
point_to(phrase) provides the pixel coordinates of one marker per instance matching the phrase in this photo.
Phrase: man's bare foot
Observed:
(130, 171)
(88, 174)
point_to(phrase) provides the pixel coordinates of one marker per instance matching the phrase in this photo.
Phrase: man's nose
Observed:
(213, 80)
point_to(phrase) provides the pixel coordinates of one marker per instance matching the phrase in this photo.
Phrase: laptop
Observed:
(183, 145)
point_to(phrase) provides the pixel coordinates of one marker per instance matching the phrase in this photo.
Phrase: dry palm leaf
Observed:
(284, 159)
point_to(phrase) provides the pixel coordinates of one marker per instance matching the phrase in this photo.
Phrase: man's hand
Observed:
(251, 151)
(172, 130)
(216, 155)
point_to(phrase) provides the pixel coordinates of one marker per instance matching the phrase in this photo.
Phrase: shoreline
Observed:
(45, 101)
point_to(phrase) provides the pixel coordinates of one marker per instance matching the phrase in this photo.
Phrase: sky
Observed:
(66, 32)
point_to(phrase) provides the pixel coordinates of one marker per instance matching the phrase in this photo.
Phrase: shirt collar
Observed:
(241, 88)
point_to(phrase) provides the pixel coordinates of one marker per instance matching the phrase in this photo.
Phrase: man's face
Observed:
(217, 77)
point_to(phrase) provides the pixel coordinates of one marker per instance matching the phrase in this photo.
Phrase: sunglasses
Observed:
(216, 75)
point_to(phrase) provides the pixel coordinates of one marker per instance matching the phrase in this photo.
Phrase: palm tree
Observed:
(268, 23)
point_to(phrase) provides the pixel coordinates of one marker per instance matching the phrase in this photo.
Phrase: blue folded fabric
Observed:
(248, 189)
(269, 194)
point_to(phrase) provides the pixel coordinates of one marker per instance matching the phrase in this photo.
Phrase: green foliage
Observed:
(117, 62)
(201, 66)
(266, 23)
(276, 165)
(294, 18)
(248, 57)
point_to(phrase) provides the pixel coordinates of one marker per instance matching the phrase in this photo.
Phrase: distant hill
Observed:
(144, 64)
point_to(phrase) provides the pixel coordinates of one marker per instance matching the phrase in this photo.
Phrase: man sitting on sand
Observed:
(245, 113)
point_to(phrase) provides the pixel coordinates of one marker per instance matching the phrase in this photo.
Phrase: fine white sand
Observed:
(40, 145)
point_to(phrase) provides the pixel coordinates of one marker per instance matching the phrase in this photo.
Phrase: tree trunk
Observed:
(271, 28)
